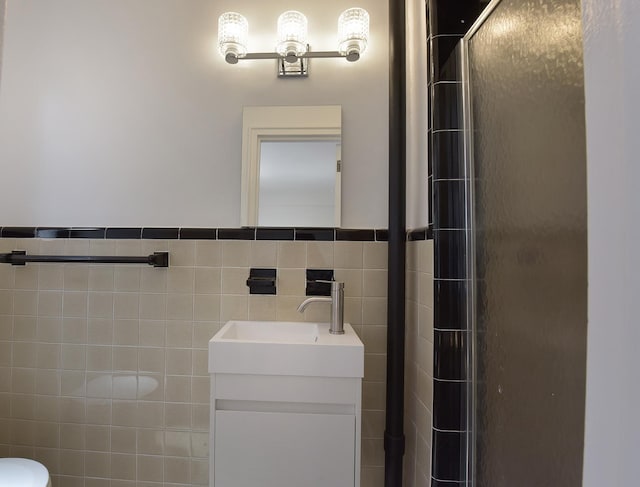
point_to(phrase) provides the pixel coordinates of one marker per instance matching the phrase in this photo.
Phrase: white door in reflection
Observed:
(299, 183)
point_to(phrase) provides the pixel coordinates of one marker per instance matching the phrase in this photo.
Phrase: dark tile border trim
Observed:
(175, 233)
(424, 233)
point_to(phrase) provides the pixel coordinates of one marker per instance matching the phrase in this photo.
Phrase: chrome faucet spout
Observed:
(337, 307)
(308, 301)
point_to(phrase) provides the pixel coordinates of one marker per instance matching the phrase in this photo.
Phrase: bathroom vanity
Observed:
(285, 405)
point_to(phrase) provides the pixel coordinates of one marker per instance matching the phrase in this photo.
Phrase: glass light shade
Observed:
(292, 33)
(353, 32)
(233, 34)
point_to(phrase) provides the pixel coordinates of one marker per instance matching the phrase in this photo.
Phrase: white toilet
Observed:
(20, 472)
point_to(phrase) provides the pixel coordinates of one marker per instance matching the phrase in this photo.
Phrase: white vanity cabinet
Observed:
(284, 430)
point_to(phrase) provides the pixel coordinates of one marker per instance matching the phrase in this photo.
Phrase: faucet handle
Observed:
(334, 284)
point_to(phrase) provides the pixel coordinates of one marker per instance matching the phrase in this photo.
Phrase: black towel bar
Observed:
(20, 257)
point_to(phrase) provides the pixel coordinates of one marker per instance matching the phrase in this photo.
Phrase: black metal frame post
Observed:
(394, 440)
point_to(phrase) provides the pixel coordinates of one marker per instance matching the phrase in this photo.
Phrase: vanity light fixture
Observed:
(292, 51)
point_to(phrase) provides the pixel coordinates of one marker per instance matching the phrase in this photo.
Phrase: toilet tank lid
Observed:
(20, 472)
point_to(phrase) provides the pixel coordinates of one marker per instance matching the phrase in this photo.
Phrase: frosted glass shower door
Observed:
(525, 120)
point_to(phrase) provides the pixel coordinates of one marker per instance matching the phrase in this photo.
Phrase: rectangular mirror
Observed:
(291, 166)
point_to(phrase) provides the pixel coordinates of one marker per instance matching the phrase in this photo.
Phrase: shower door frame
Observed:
(469, 167)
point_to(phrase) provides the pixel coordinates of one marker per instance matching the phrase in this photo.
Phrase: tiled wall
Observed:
(448, 22)
(103, 368)
(419, 363)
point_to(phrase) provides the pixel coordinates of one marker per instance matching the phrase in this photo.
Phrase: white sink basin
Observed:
(285, 348)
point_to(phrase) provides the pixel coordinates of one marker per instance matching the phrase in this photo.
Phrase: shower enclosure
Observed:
(527, 243)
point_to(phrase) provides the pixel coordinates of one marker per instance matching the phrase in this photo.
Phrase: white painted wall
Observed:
(121, 112)
(417, 140)
(612, 78)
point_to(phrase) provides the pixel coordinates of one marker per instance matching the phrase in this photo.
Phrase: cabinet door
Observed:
(268, 449)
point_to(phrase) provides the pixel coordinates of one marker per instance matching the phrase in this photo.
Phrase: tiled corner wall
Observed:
(448, 22)
(418, 363)
(103, 368)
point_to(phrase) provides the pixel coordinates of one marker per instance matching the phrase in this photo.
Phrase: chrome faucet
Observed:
(337, 306)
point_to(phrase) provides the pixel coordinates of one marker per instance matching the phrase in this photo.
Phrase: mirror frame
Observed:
(282, 123)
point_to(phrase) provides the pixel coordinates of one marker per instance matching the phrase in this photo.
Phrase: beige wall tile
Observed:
(178, 388)
(126, 306)
(234, 308)
(291, 282)
(263, 254)
(348, 255)
(100, 331)
(374, 311)
(24, 354)
(100, 305)
(262, 307)
(153, 306)
(101, 278)
(287, 308)
(99, 411)
(75, 304)
(6, 303)
(200, 361)
(320, 255)
(206, 307)
(182, 253)
(150, 468)
(180, 279)
(97, 464)
(292, 255)
(76, 277)
(6, 277)
(374, 338)
(150, 441)
(208, 253)
(375, 255)
(200, 417)
(74, 330)
(25, 303)
(73, 383)
(49, 303)
(24, 328)
(99, 358)
(176, 415)
(126, 279)
(123, 440)
(180, 306)
(73, 357)
(125, 359)
(177, 443)
(178, 361)
(152, 333)
(234, 280)
(177, 470)
(26, 277)
(47, 435)
(23, 381)
(236, 253)
(153, 280)
(203, 331)
(375, 283)
(72, 436)
(72, 462)
(125, 370)
(200, 472)
(100, 384)
(208, 280)
(123, 466)
(126, 332)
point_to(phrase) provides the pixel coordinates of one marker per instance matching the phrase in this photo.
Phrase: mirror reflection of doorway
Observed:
(298, 184)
